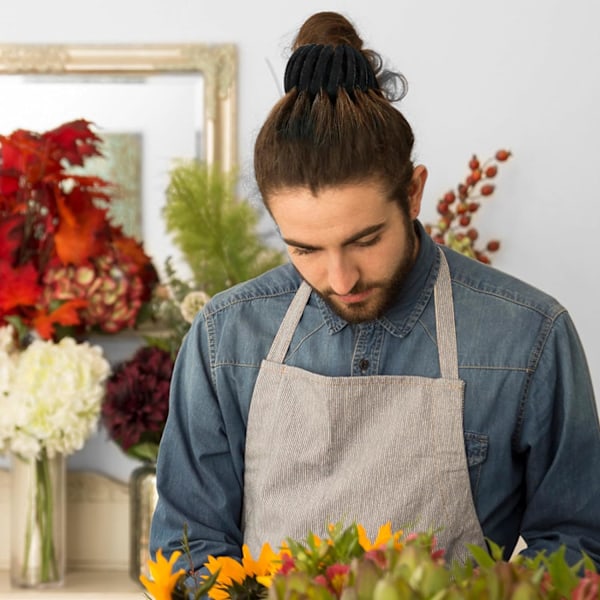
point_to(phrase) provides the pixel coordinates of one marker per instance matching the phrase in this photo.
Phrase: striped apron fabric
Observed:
(369, 450)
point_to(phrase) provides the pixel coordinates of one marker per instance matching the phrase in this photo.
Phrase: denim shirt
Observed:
(531, 431)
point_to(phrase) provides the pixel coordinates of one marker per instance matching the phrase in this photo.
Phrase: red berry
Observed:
(483, 258)
(442, 208)
(487, 190)
(493, 245)
(502, 155)
(474, 163)
(473, 206)
(465, 220)
(472, 234)
(449, 197)
(462, 208)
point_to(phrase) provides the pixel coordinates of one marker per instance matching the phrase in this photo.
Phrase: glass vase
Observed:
(142, 498)
(38, 526)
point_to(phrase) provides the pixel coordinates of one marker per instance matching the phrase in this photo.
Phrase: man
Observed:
(377, 377)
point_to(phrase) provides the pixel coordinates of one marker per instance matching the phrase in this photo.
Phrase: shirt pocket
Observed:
(476, 446)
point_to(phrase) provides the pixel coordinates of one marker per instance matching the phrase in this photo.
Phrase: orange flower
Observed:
(233, 572)
(163, 579)
(384, 536)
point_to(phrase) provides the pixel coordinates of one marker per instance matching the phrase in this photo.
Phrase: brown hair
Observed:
(317, 141)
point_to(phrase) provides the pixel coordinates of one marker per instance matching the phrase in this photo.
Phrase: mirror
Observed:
(165, 101)
(214, 65)
(151, 104)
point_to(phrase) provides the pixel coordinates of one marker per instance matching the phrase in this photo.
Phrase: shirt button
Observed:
(363, 364)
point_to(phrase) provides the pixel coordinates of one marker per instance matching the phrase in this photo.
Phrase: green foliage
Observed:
(398, 567)
(166, 310)
(313, 555)
(144, 450)
(215, 231)
(415, 570)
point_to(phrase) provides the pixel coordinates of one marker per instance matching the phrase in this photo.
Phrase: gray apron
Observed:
(367, 449)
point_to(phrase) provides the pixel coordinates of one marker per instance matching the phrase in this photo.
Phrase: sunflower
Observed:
(249, 578)
(163, 579)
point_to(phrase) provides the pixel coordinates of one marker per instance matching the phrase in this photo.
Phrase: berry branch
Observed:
(457, 207)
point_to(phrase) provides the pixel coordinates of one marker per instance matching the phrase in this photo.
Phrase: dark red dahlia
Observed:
(136, 403)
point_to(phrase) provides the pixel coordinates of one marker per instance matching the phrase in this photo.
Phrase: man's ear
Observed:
(415, 191)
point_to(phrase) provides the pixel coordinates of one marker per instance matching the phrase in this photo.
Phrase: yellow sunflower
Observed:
(233, 574)
(163, 579)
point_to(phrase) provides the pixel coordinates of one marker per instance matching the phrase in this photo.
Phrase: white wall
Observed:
(483, 75)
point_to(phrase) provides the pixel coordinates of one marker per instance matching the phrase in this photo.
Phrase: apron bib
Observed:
(367, 449)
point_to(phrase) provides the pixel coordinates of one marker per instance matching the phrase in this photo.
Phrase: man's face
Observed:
(350, 243)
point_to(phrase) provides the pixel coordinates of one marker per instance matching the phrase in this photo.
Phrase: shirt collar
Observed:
(412, 299)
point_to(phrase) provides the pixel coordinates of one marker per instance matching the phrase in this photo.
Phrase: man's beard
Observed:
(385, 292)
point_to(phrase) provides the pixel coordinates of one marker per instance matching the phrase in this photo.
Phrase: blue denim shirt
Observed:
(531, 431)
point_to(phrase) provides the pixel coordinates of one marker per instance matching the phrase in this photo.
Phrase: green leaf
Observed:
(20, 327)
(206, 585)
(146, 451)
(481, 556)
(496, 551)
(564, 576)
(588, 563)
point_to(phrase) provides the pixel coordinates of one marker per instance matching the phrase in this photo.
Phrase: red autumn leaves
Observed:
(54, 221)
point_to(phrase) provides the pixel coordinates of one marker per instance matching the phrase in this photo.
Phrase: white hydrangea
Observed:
(54, 397)
(192, 304)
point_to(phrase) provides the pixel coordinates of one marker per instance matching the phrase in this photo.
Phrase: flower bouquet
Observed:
(50, 398)
(65, 268)
(394, 566)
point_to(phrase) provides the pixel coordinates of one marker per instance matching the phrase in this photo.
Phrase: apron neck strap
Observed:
(292, 317)
(444, 317)
(444, 321)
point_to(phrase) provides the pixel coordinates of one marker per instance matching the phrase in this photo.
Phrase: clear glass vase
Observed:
(143, 498)
(38, 528)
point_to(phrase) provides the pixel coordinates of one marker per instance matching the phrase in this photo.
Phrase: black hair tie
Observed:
(316, 67)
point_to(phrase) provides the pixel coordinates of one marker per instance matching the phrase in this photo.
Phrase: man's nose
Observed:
(343, 274)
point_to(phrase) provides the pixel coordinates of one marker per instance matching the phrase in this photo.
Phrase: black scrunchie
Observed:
(316, 67)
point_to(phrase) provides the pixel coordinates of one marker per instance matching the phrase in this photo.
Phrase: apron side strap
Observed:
(445, 325)
(282, 340)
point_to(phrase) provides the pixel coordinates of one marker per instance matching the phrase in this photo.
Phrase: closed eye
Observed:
(360, 240)
(300, 251)
(367, 243)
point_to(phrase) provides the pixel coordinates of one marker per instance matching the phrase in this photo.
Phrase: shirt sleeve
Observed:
(560, 436)
(198, 481)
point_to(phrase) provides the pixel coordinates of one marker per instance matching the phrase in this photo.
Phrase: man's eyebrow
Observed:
(353, 238)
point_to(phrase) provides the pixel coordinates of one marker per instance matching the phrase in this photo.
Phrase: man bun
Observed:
(329, 28)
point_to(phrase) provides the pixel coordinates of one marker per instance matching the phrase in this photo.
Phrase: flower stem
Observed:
(39, 532)
(49, 570)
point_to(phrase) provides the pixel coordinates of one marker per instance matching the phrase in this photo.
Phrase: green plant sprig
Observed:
(215, 230)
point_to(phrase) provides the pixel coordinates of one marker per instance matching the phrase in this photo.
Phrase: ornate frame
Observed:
(216, 63)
